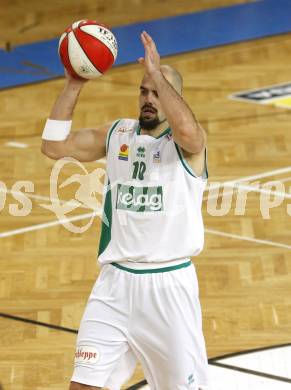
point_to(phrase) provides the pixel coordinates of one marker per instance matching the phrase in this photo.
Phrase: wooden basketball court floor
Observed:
(47, 271)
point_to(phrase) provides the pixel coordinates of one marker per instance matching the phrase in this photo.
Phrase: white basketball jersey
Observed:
(152, 204)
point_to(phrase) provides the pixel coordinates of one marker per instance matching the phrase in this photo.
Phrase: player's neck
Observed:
(157, 131)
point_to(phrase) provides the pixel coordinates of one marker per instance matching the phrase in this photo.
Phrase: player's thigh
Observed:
(173, 358)
(168, 332)
(102, 340)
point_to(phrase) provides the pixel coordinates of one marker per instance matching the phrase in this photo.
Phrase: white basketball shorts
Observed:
(148, 315)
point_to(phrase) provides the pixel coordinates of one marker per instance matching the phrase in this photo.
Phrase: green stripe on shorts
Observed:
(152, 270)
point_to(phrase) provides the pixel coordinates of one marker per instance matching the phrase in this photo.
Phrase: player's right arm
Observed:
(85, 144)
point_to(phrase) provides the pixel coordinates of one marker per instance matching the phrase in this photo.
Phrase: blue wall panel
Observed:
(174, 35)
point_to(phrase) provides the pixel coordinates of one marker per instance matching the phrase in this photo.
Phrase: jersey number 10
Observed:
(139, 170)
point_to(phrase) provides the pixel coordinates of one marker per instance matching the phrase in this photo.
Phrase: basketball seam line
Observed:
(85, 52)
(85, 32)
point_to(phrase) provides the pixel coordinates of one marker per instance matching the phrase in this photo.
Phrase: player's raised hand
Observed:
(73, 80)
(151, 60)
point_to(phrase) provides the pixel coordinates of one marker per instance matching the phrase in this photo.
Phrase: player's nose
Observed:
(148, 99)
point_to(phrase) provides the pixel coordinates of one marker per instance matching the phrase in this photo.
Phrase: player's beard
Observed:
(149, 123)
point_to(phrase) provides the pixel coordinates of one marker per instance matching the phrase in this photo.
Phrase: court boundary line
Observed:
(137, 385)
(39, 323)
(252, 372)
(245, 352)
(212, 361)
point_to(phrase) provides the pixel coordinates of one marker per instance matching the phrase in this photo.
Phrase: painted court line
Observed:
(50, 199)
(46, 198)
(237, 183)
(19, 145)
(88, 215)
(48, 224)
(264, 191)
(262, 175)
(249, 188)
(246, 238)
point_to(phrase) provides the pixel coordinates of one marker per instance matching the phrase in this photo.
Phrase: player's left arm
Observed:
(187, 132)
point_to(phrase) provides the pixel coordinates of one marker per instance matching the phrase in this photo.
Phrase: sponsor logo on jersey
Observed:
(277, 95)
(86, 355)
(139, 199)
(157, 157)
(123, 152)
(140, 152)
(124, 130)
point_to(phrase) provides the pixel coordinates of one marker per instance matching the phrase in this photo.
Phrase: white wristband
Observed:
(56, 130)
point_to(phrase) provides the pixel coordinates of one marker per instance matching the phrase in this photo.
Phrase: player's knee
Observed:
(80, 386)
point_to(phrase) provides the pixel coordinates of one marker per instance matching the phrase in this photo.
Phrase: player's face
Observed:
(151, 114)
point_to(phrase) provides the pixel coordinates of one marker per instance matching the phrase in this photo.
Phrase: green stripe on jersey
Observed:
(105, 237)
(110, 131)
(152, 270)
(167, 131)
(188, 167)
(183, 161)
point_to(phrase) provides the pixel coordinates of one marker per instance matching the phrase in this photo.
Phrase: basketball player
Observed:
(145, 305)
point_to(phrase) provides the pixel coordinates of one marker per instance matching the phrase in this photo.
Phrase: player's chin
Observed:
(148, 123)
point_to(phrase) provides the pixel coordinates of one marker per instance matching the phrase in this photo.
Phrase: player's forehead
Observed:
(147, 83)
